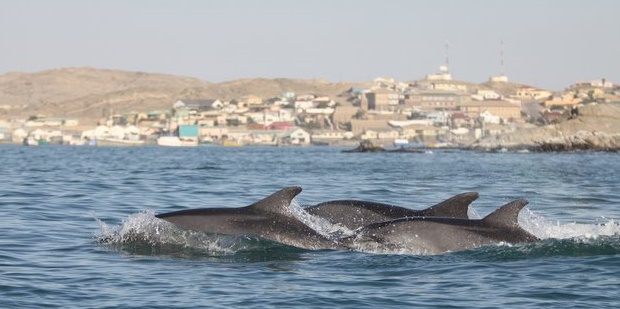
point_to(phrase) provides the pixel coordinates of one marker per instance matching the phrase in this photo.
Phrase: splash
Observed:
(320, 225)
(547, 229)
(143, 233)
(556, 238)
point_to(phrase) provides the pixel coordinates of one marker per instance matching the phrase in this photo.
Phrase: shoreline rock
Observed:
(582, 140)
(597, 128)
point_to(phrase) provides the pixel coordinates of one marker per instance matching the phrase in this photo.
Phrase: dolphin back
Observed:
(506, 219)
(454, 207)
(506, 216)
(278, 202)
(240, 220)
(440, 235)
(354, 214)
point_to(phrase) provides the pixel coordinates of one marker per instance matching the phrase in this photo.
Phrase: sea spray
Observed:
(320, 225)
(143, 229)
(143, 233)
(545, 229)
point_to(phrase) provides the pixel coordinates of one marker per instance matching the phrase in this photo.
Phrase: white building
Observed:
(302, 105)
(297, 136)
(332, 135)
(268, 117)
(490, 118)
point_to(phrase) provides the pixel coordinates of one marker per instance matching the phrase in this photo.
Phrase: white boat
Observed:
(118, 142)
(401, 142)
(175, 141)
(30, 141)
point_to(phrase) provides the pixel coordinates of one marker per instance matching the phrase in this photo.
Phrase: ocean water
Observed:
(69, 216)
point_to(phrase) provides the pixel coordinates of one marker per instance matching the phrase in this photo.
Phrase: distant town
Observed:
(436, 111)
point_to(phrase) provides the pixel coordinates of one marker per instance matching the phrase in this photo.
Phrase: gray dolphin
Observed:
(270, 218)
(433, 235)
(354, 214)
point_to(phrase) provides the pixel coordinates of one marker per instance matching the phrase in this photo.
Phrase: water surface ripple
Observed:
(58, 203)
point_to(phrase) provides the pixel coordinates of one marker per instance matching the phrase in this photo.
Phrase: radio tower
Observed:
(447, 57)
(501, 58)
(502, 75)
(444, 70)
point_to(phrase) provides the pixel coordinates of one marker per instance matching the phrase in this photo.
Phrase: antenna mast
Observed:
(501, 57)
(447, 57)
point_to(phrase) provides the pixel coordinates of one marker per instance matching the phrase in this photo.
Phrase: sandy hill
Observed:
(89, 93)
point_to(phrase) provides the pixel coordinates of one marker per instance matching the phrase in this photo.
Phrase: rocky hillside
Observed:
(88, 93)
(597, 127)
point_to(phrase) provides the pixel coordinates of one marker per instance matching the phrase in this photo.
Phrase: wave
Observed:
(143, 233)
(547, 229)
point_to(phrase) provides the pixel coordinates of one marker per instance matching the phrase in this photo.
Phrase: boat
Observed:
(117, 142)
(366, 146)
(231, 143)
(175, 141)
(30, 141)
(411, 150)
(207, 141)
(401, 142)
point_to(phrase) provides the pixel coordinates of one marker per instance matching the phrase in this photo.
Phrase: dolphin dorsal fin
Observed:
(507, 215)
(277, 202)
(454, 207)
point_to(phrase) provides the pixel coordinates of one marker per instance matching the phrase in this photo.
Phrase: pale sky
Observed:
(546, 43)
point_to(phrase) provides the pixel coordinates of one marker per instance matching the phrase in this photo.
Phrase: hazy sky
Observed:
(549, 44)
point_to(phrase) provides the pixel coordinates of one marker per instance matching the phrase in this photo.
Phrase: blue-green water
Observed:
(57, 203)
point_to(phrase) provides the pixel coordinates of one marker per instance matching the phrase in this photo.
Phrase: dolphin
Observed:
(270, 218)
(433, 235)
(354, 214)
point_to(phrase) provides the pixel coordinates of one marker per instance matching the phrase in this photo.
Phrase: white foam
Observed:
(547, 229)
(320, 225)
(145, 228)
